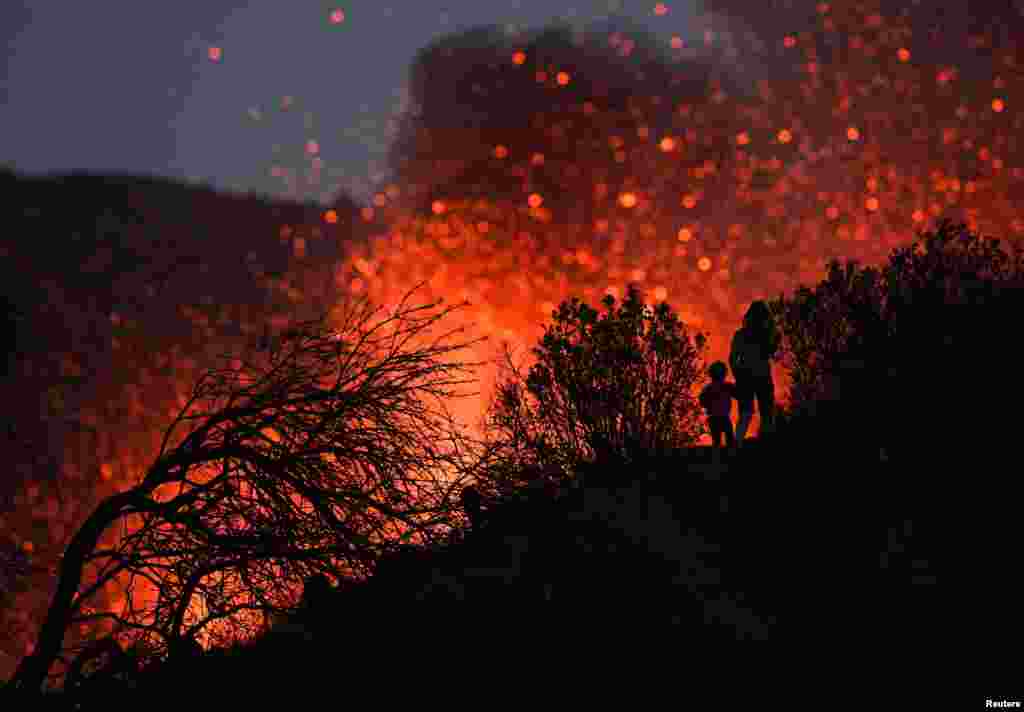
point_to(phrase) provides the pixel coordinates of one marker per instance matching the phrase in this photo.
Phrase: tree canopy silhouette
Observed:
(608, 385)
(869, 345)
(303, 459)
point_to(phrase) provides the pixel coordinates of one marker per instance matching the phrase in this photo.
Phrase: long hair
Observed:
(759, 323)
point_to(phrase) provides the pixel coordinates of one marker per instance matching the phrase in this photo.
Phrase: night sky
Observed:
(140, 88)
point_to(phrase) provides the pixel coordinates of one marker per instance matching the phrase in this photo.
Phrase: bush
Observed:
(605, 386)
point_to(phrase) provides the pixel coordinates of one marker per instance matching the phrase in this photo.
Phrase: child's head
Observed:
(717, 371)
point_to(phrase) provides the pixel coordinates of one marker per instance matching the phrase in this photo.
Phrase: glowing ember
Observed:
(746, 190)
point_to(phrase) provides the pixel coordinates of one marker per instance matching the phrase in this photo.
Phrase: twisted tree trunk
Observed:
(34, 668)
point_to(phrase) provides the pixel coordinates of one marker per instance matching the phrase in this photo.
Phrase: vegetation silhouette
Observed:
(296, 461)
(112, 310)
(605, 386)
(796, 539)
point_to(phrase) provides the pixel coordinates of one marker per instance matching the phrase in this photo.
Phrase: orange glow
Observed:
(761, 217)
(563, 78)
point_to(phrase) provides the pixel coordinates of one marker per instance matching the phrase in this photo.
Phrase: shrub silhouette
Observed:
(605, 386)
(881, 351)
(280, 500)
(813, 545)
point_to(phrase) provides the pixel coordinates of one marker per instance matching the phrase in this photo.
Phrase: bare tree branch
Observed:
(310, 456)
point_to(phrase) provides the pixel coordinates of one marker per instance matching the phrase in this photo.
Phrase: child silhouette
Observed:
(716, 399)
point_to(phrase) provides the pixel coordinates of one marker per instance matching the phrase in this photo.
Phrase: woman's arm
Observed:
(734, 350)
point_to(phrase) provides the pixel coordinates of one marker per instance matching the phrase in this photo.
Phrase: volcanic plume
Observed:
(529, 167)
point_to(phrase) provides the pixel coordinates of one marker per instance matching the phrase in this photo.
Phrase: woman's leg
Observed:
(746, 415)
(745, 399)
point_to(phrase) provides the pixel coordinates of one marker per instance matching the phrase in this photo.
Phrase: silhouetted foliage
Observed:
(306, 459)
(128, 287)
(605, 386)
(869, 347)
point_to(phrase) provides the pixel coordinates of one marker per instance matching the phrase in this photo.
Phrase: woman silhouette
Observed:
(753, 347)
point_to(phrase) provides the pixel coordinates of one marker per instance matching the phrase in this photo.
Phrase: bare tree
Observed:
(308, 456)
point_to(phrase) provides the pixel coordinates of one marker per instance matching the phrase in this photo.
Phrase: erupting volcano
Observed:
(717, 160)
